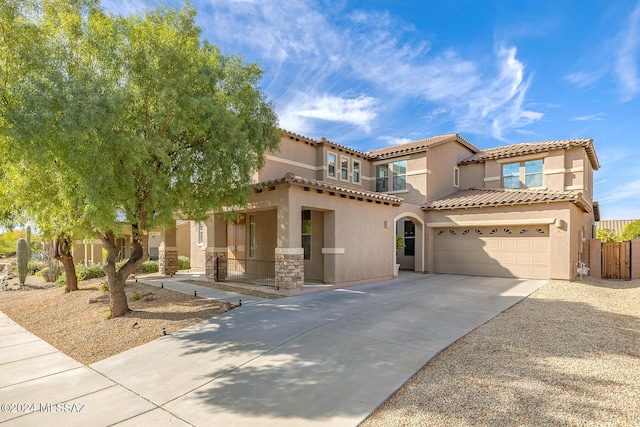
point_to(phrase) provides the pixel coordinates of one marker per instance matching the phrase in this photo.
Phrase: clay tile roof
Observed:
(323, 185)
(321, 141)
(533, 148)
(420, 145)
(485, 197)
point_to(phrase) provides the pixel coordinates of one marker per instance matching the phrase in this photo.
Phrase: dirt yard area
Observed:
(80, 328)
(568, 355)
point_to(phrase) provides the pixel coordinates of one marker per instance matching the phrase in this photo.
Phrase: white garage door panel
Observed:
(484, 251)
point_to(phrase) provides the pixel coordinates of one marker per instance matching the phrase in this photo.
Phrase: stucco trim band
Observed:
(332, 251)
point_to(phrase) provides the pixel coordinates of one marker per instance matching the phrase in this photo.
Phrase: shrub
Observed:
(400, 245)
(90, 271)
(119, 264)
(184, 263)
(45, 273)
(34, 266)
(104, 287)
(61, 281)
(149, 267)
(138, 296)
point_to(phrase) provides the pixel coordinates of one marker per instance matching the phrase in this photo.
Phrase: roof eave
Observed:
(292, 179)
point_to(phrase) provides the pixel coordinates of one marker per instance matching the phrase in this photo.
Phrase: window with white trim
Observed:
(392, 176)
(356, 172)
(252, 236)
(533, 173)
(456, 177)
(522, 174)
(306, 234)
(200, 233)
(332, 159)
(344, 168)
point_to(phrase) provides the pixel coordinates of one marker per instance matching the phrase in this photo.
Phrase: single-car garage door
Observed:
(521, 251)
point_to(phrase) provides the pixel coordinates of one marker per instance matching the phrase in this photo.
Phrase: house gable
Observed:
(558, 165)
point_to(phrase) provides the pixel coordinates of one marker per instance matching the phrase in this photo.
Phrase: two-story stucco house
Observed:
(325, 213)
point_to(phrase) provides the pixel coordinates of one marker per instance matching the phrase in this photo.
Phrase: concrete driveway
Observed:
(328, 358)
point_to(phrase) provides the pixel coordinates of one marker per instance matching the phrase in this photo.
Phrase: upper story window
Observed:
(331, 165)
(344, 168)
(392, 176)
(456, 177)
(522, 174)
(533, 173)
(356, 172)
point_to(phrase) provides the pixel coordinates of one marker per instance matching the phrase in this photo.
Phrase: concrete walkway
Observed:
(327, 358)
(183, 282)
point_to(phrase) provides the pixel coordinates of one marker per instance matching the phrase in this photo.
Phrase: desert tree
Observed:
(144, 117)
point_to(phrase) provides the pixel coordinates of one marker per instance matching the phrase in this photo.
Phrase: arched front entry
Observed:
(412, 228)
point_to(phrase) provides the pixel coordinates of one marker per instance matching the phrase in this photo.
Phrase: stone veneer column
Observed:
(168, 259)
(216, 258)
(289, 268)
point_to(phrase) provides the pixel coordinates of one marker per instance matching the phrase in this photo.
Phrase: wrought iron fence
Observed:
(252, 271)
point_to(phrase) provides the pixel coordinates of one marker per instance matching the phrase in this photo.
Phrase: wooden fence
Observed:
(616, 260)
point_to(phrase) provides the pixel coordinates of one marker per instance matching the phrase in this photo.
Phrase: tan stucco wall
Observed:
(93, 252)
(297, 157)
(183, 238)
(359, 231)
(197, 252)
(266, 233)
(472, 175)
(441, 161)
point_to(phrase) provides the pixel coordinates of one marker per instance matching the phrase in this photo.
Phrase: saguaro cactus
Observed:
(22, 260)
(28, 243)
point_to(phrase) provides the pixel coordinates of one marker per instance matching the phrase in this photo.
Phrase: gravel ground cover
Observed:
(79, 328)
(568, 355)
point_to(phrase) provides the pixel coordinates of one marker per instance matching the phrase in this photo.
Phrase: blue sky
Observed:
(369, 74)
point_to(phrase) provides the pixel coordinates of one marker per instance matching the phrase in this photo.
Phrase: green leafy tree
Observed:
(606, 235)
(40, 196)
(631, 231)
(140, 117)
(8, 242)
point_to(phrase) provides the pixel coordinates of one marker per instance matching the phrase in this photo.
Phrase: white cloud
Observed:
(499, 102)
(625, 192)
(358, 111)
(392, 140)
(314, 56)
(626, 57)
(583, 78)
(589, 117)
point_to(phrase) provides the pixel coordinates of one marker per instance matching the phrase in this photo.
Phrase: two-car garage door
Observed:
(507, 251)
